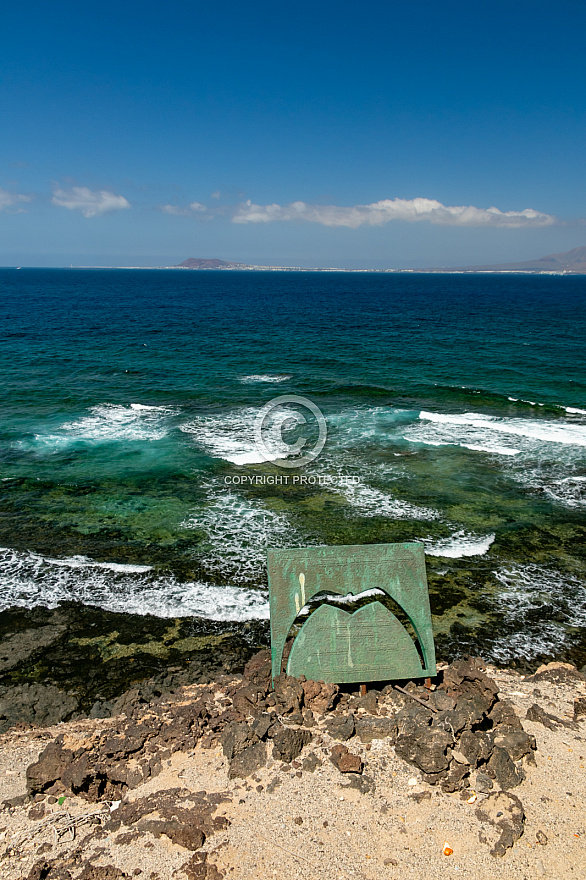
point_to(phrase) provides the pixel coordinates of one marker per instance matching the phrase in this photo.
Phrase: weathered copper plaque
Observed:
(336, 645)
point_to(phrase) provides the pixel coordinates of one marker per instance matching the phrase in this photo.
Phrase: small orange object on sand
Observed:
(447, 850)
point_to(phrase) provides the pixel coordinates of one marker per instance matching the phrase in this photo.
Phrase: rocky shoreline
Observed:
(79, 661)
(168, 787)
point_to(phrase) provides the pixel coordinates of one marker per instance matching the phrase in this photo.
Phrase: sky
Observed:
(372, 135)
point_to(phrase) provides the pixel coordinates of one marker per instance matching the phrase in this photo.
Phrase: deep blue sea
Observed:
(455, 408)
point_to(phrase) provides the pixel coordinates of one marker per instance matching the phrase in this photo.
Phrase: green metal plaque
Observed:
(335, 645)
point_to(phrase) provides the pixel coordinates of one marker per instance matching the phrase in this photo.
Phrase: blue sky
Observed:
(292, 133)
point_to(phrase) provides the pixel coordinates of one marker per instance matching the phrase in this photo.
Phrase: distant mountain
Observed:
(571, 262)
(194, 263)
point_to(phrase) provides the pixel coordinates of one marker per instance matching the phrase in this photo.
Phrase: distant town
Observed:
(568, 263)
(571, 262)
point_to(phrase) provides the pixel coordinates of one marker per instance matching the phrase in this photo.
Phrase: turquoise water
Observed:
(455, 409)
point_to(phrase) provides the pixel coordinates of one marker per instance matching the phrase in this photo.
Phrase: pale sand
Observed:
(363, 831)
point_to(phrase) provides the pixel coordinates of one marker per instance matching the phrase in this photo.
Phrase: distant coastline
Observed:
(252, 268)
(571, 262)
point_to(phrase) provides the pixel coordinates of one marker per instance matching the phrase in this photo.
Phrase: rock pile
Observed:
(119, 757)
(447, 733)
(460, 727)
(457, 734)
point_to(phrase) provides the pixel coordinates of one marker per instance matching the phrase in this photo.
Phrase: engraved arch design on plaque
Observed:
(336, 645)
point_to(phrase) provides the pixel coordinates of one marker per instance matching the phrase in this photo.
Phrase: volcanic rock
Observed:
(467, 677)
(183, 835)
(247, 697)
(517, 743)
(248, 761)
(504, 812)
(381, 727)
(288, 694)
(558, 673)
(536, 713)
(503, 716)
(579, 708)
(345, 761)
(476, 746)
(311, 762)
(340, 727)
(502, 769)
(319, 697)
(288, 743)
(426, 748)
(368, 702)
(112, 760)
(236, 737)
(35, 705)
(258, 669)
(176, 808)
(362, 783)
(456, 776)
(197, 868)
(484, 783)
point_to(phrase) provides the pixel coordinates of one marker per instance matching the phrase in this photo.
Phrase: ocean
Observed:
(455, 408)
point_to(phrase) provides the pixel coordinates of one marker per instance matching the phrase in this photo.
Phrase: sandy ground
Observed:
(311, 825)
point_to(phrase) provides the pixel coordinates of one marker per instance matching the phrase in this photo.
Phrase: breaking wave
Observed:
(105, 423)
(238, 532)
(460, 544)
(29, 579)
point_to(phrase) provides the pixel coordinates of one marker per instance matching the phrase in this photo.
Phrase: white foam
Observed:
(238, 531)
(535, 429)
(267, 377)
(546, 478)
(29, 579)
(544, 604)
(494, 448)
(116, 422)
(231, 436)
(369, 501)
(461, 543)
(336, 599)
(569, 409)
(45, 443)
(246, 458)
(105, 423)
(85, 562)
(512, 438)
(534, 438)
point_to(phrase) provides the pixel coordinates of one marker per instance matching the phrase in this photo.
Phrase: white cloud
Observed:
(184, 212)
(10, 202)
(173, 209)
(90, 203)
(379, 213)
